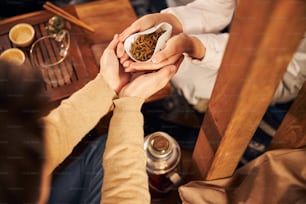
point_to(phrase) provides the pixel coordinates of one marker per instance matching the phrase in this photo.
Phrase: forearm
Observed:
(124, 160)
(66, 125)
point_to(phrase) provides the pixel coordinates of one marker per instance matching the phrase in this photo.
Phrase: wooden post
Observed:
(292, 131)
(263, 37)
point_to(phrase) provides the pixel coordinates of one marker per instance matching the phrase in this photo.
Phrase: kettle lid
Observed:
(163, 152)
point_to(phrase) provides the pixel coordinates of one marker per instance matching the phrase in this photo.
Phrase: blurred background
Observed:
(10, 8)
(172, 114)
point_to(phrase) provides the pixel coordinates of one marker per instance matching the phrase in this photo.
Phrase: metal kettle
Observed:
(163, 158)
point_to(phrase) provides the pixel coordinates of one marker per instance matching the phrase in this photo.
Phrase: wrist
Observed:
(110, 86)
(196, 49)
(125, 92)
(128, 103)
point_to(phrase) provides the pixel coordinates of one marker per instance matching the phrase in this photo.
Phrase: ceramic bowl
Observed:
(13, 55)
(166, 27)
(22, 34)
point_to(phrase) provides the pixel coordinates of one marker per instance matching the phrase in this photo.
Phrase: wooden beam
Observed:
(263, 37)
(292, 131)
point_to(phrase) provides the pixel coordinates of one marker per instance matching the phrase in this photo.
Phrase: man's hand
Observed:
(110, 68)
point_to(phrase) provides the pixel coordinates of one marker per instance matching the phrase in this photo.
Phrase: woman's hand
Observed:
(174, 49)
(149, 21)
(145, 85)
(144, 23)
(110, 68)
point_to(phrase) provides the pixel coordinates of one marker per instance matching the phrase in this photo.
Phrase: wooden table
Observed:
(107, 17)
(82, 63)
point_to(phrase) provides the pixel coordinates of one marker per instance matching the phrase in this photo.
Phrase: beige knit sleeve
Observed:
(66, 125)
(124, 161)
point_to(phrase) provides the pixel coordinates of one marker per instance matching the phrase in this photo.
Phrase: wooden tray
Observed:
(74, 72)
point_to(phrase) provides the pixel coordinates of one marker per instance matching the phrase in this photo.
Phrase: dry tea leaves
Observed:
(143, 47)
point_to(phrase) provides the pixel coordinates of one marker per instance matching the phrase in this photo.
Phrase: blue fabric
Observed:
(81, 180)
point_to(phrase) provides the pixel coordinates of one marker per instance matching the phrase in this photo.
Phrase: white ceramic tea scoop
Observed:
(139, 52)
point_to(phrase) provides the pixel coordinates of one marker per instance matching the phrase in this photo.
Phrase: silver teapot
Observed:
(163, 158)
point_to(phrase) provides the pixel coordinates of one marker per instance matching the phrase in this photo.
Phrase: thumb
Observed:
(164, 75)
(120, 50)
(112, 45)
(166, 53)
(166, 72)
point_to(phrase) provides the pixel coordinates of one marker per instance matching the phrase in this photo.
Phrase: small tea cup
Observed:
(161, 41)
(13, 55)
(22, 34)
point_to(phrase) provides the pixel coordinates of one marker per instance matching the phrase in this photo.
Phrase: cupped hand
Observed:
(144, 23)
(147, 84)
(150, 20)
(110, 68)
(174, 49)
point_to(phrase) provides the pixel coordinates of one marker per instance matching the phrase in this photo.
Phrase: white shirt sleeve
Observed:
(202, 16)
(195, 79)
(294, 77)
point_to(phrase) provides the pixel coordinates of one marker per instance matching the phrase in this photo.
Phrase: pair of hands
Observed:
(127, 84)
(178, 44)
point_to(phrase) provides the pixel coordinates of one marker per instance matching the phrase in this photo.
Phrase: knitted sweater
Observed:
(124, 161)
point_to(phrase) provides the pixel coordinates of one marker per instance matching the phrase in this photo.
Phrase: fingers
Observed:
(147, 84)
(159, 79)
(141, 24)
(113, 44)
(120, 50)
(169, 55)
(126, 63)
(124, 58)
(174, 46)
(149, 66)
(165, 74)
(122, 55)
(179, 61)
(164, 55)
(129, 30)
(130, 66)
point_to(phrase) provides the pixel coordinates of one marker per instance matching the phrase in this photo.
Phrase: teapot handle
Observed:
(175, 178)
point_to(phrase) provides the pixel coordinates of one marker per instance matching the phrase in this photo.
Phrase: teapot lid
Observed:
(163, 153)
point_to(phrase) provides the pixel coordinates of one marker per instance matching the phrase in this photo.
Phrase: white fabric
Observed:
(195, 78)
(204, 16)
(172, 3)
(295, 76)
